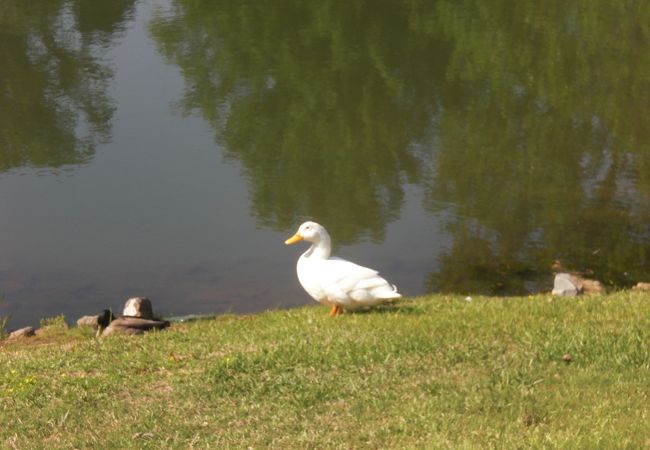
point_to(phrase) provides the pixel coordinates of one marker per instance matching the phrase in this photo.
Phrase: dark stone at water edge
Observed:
(137, 318)
(133, 325)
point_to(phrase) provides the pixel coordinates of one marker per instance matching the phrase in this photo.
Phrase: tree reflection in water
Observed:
(54, 106)
(528, 118)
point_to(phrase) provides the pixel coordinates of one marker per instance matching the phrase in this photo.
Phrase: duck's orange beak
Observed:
(293, 239)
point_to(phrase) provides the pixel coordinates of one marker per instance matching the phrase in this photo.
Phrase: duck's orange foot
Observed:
(335, 311)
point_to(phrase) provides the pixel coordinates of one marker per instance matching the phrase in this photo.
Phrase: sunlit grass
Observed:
(3, 326)
(435, 372)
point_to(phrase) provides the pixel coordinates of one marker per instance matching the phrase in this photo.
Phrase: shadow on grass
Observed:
(395, 308)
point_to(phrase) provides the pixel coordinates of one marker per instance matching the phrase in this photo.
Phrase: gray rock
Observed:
(21, 333)
(565, 286)
(133, 325)
(98, 321)
(572, 284)
(138, 307)
(88, 321)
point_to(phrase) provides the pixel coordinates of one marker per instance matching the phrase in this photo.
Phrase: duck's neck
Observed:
(320, 249)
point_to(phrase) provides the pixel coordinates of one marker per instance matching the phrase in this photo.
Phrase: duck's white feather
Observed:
(335, 281)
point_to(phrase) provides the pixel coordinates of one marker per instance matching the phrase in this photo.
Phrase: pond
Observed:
(168, 148)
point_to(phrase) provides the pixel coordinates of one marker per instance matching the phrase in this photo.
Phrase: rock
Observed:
(21, 333)
(138, 307)
(133, 325)
(591, 286)
(641, 286)
(564, 286)
(137, 318)
(88, 321)
(570, 285)
(98, 321)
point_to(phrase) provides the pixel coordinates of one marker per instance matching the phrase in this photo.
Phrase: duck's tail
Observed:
(389, 291)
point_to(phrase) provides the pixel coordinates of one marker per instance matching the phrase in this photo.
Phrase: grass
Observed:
(3, 327)
(3, 323)
(434, 372)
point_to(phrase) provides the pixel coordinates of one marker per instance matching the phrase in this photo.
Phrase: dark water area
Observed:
(167, 148)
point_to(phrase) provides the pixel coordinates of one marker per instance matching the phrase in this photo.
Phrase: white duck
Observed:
(336, 282)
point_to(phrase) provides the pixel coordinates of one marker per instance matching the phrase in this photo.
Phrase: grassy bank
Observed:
(434, 372)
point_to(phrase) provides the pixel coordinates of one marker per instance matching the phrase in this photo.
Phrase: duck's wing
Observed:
(345, 281)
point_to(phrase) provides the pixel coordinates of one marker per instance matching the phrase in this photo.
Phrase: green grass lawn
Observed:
(432, 372)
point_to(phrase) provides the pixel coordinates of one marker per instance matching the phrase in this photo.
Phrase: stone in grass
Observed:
(591, 286)
(138, 307)
(88, 321)
(570, 285)
(136, 319)
(22, 333)
(133, 325)
(641, 286)
(97, 321)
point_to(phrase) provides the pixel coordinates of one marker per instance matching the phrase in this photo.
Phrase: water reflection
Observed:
(54, 106)
(544, 142)
(527, 120)
(324, 104)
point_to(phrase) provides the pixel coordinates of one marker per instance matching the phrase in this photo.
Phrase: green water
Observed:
(455, 145)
